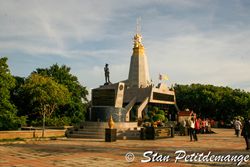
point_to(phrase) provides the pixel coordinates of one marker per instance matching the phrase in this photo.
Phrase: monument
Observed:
(127, 101)
(132, 95)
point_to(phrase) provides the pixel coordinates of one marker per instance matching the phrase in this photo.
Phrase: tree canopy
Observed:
(8, 117)
(75, 109)
(220, 103)
(45, 95)
(46, 87)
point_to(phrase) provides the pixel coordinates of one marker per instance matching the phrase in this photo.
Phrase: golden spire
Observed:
(138, 70)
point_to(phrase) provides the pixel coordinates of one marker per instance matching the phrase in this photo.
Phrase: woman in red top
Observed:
(197, 128)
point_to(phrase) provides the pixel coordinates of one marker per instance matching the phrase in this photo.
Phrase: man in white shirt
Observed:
(192, 131)
(237, 126)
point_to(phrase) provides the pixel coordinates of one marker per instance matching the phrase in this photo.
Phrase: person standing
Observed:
(206, 126)
(192, 129)
(196, 128)
(234, 126)
(203, 127)
(182, 127)
(237, 125)
(246, 133)
(188, 121)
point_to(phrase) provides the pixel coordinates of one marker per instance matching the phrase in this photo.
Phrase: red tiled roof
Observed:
(184, 113)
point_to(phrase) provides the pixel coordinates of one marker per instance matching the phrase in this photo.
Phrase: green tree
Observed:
(45, 95)
(75, 109)
(8, 117)
(220, 103)
(16, 98)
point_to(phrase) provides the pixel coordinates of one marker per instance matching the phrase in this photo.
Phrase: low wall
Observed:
(30, 133)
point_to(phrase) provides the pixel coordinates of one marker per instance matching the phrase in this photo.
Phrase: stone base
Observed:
(110, 135)
(152, 133)
(107, 83)
(103, 113)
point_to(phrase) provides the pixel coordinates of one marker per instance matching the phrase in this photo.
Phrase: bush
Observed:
(159, 117)
(11, 123)
(160, 112)
(54, 121)
(58, 121)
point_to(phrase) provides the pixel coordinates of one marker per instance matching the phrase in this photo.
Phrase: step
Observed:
(120, 137)
(105, 124)
(90, 130)
(103, 132)
(86, 136)
(96, 130)
(77, 132)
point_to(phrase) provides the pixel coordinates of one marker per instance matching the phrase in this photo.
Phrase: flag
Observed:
(160, 77)
(163, 77)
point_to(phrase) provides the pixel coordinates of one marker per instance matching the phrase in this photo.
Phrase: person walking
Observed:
(237, 126)
(246, 133)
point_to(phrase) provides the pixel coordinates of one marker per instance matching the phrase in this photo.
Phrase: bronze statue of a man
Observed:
(106, 72)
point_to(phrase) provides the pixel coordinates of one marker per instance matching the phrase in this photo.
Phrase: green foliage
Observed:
(58, 121)
(52, 121)
(8, 118)
(155, 109)
(160, 112)
(54, 90)
(75, 109)
(155, 114)
(219, 103)
(62, 76)
(158, 117)
(12, 140)
(44, 95)
(240, 118)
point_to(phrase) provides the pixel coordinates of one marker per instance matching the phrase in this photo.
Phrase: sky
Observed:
(192, 41)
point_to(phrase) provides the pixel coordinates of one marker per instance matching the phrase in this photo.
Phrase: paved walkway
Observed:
(95, 153)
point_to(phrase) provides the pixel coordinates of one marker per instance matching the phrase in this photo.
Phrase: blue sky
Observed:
(192, 41)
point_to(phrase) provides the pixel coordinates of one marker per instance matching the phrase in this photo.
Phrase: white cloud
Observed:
(45, 26)
(215, 58)
(192, 41)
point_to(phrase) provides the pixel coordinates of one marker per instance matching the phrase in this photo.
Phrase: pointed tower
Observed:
(138, 71)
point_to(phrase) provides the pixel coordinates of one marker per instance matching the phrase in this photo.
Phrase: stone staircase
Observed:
(96, 130)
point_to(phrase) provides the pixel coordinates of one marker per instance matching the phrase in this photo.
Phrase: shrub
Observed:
(159, 117)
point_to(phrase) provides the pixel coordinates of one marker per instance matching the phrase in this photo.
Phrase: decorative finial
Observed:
(111, 122)
(138, 37)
